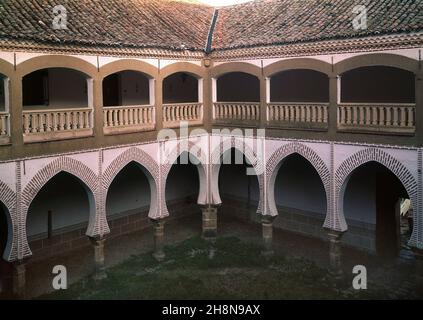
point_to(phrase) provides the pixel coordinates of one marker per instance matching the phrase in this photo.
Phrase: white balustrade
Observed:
(56, 120)
(377, 116)
(174, 113)
(286, 112)
(4, 124)
(128, 116)
(236, 111)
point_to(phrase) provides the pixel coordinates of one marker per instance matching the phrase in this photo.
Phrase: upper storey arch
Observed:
(297, 63)
(231, 67)
(56, 61)
(126, 65)
(185, 67)
(377, 59)
(6, 68)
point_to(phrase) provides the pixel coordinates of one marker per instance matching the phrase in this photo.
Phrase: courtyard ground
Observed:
(233, 268)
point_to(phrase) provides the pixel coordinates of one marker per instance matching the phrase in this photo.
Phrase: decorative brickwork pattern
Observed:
(416, 239)
(200, 157)
(275, 162)
(378, 155)
(255, 160)
(66, 164)
(148, 166)
(8, 199)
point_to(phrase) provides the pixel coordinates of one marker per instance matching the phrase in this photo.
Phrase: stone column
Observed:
(334, 87)
(19, 279)
(209, 223)
(158, 239)
(335, 252)
(98, 244)
(418, 253)
(267, 231)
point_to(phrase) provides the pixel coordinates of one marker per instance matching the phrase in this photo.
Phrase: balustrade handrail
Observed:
(56, 110)
(278, 103)
(309, 113)
(377, 115)
(124, 116)
(57, 120)
(182, 104)
(129, 107)
(237, 103)
(375, 104)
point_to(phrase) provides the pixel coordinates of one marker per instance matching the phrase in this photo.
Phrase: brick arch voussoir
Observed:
(309, 154)
(377, 155)
(62, 164)
(133, 154)
(177, 151)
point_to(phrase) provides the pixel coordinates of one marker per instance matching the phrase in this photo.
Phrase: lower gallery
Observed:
(135, 136)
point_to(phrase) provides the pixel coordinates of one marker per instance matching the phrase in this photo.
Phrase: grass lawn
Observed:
(230, 269)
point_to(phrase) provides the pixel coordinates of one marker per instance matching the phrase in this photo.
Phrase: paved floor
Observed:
(79, 263)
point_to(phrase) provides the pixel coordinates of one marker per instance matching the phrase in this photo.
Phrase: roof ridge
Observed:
(209, 42)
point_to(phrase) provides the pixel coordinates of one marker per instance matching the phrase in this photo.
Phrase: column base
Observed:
(19, 279)
(209, 216)
(100, 269)
(158, 254)
(335, 261)
(267, 232)
(418, 254)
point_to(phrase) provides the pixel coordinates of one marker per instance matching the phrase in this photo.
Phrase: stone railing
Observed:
(126, 119)
(56, 124)
(297, 115)
(4, 127)
(240, 113)
(4, 123)
(174, 113)
(381, 117)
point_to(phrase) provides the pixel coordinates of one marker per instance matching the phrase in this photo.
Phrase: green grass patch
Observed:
(227, 269)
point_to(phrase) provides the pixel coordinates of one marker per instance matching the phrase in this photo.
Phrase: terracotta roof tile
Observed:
(173, 25)
(119, 23)
(265, 22)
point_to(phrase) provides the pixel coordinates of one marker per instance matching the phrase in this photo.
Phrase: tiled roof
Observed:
(111, 23)
(172, 25)
(265, 22)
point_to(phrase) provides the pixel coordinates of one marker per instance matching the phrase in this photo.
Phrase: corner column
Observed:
(267, 233)
(209, 223)
(98, 245)
(19, 279)
(335, 261)
(334, 98)
(158, 226)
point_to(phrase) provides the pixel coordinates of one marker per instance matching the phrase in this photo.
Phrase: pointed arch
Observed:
(276, 161)
(148, 166)
(195, 152)
(348, 166)
(8, 200)
(76, 168)
(254, 159)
